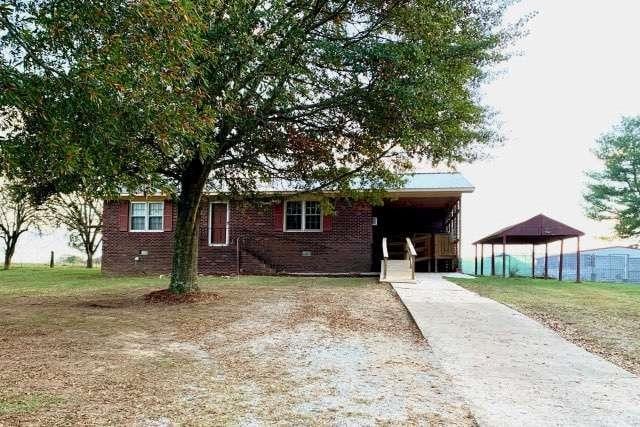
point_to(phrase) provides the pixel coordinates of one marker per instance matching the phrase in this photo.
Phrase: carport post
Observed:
(493, 260)
(533, 261)
(561, 260)
(476, 259)
(578, 262)
(482, 259)
(504, 256)
(546, 260)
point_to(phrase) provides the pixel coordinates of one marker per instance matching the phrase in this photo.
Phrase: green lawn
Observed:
(601, 317)
(39, 280)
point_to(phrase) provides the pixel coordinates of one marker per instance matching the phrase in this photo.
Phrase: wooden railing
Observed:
(411, 256)
(385, 256)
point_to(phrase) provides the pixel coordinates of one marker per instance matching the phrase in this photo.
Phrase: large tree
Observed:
(184, 96)
(17, 216)
(81, 214)
(613, 192)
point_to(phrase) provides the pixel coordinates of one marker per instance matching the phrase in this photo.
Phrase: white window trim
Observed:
(146, 218)
(304, 219)
(226, 243)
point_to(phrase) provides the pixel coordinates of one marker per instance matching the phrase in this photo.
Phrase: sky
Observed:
(576, 75)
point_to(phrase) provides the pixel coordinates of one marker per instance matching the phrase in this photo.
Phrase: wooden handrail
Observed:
(410, 249)
(411, 256)
(385, 255)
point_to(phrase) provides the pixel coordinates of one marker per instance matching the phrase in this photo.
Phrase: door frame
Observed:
(218, 202)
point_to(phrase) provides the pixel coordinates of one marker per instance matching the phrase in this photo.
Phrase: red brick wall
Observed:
(346, 248)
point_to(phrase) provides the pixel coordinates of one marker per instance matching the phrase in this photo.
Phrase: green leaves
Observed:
(613, 193)
(127, 94)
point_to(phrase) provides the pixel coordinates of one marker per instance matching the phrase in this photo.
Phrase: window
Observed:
(303, 216)
(147, 216)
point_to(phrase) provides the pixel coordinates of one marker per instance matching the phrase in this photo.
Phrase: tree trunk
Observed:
(9, 251)
(89, 260)
(184, 274)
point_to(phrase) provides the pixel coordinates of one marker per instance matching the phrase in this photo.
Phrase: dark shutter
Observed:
(168, 215)
(278, 214)
(327, 223)
(123, 215)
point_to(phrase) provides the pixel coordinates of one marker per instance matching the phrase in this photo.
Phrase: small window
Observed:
(312, 215)
(294, 216)
(303, 216)
(156, 215)
(147, 216)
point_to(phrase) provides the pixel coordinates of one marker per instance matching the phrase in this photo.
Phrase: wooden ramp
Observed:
(398, 270)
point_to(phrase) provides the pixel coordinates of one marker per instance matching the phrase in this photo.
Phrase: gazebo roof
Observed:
(536, 230)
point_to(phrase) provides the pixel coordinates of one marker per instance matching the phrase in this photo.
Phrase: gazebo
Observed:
(535, 231)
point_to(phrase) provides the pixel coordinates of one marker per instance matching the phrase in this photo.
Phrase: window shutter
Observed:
(168, 215)
(327, 223)
(123, 215)
(278, 213)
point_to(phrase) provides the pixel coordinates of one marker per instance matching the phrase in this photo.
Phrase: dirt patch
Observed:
(164, 296)
(259, 355)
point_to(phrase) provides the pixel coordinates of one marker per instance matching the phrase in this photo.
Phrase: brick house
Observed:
(279, 234)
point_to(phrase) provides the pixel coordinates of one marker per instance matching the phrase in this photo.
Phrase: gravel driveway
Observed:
(257, 355)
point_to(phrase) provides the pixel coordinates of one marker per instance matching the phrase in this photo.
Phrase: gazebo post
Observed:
(504, 256)
(482, 259)
(493, 260)
(533, 261)
(475, 246)
(561, 260)
(578, 262)
(546, 260)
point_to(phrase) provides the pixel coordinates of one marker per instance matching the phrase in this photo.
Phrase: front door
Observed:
(219, 219)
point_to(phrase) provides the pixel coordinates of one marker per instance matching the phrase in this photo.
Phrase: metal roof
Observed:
(536, 230)
(414, 183)
(437, 181)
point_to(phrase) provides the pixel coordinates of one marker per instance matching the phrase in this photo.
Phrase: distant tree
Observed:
(184, 96)
(82, 216)
(613, 192)
(17, 215)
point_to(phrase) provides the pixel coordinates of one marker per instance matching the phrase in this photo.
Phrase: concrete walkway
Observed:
(511, 369)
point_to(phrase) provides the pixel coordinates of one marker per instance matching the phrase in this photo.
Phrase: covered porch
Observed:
(420, 234)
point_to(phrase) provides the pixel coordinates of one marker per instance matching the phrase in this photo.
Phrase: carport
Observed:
(535, 231)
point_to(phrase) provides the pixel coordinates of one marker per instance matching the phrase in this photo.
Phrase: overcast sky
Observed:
(578, 73)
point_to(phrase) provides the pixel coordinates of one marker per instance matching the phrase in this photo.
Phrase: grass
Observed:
(26, 404)
(78, 348)
(604, 318)
(39, 280)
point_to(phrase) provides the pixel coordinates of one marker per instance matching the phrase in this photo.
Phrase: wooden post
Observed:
(504, 256)
(435, 253)
(546, 260)
(493, 260)
(578, 262)
(561, 260)
(475, 246)
(459, 235)
(482, 259)
(238, 257)
(51, 262)
(533, 261)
